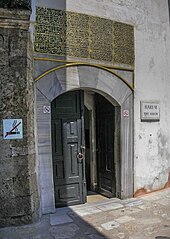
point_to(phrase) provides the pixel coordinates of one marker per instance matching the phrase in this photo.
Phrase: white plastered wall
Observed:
(152, 80)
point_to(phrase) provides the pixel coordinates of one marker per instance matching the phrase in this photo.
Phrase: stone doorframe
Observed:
(58, 80)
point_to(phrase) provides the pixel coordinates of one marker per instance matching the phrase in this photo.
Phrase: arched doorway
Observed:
(76, 170)
(58, 81)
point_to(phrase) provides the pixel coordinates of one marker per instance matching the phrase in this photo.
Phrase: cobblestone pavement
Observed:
(147, 217)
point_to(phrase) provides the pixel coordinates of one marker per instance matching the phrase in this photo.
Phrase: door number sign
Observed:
(12, 129)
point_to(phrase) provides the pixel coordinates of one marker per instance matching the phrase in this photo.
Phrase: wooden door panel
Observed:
(105, 146)
(71, 145)
(67, 194)
(67, 138)
(106, 183)
(57, 135)
(73, 169)
(59, 170)
(67, 105)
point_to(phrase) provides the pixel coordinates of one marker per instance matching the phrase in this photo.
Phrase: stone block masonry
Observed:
(19, 198)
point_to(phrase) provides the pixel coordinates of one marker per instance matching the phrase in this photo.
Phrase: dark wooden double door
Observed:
(68, 142)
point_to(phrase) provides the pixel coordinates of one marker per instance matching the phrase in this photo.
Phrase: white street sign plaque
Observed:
(150, 111)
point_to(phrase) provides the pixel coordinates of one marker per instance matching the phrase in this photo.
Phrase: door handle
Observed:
(80, 157)
(82, 148)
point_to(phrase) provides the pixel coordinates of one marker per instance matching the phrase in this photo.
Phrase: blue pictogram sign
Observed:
(12, 129)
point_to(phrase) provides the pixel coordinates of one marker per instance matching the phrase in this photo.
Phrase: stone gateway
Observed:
(84, 103)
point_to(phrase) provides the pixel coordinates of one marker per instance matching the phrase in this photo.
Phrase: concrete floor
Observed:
(147, 217)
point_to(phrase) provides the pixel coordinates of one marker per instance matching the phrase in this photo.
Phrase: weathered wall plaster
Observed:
(152, 80)
(150, 19)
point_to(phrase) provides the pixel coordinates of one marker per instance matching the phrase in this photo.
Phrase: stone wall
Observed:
(21, 4)
(19, 199)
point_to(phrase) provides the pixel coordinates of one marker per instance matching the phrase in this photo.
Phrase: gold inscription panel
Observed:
(77, 36)
(100, 35)
(50, 31)
(80, 35)
(123, 43)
